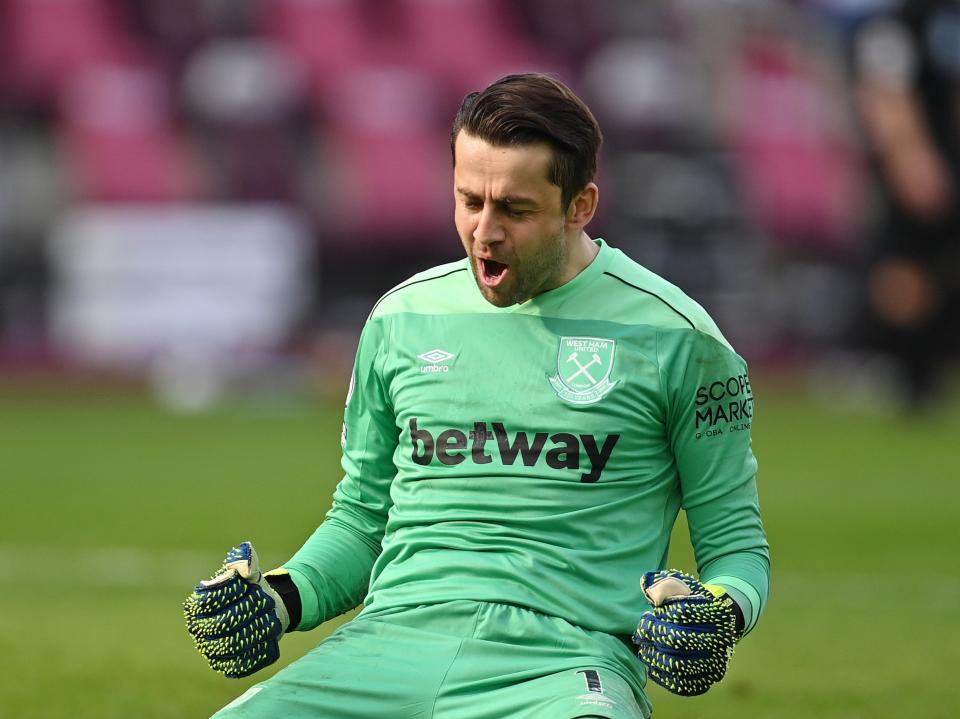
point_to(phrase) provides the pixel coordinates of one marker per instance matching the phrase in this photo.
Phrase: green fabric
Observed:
(544, 462)
(457, 660)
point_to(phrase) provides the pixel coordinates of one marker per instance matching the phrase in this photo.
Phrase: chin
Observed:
(497, 300)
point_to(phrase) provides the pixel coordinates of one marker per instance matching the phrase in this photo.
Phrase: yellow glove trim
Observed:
(715, 589)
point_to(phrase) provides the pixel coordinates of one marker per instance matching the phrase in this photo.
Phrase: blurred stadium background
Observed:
(200, 200)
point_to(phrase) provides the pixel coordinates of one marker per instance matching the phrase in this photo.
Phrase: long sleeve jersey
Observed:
(538, 454)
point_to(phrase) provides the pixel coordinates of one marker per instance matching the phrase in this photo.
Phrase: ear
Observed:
(582, 207)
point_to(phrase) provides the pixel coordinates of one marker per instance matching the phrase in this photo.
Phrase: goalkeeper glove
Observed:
(237, 617)
(687, 639)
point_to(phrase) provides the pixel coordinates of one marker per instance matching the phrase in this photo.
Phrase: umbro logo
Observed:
(435, 356)
(435, 359)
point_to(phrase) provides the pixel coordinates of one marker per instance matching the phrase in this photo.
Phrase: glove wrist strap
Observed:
(741, 622)
(283, 585)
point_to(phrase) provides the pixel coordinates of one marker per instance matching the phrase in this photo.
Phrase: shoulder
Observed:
(644, 297)
(426, 291)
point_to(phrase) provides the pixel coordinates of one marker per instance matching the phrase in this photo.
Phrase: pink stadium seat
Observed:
(390, 189)
(324, 36)
(469, 43)
(118, 139)
(49, 39)
(452, 24)
(797, 157)
(387, 160)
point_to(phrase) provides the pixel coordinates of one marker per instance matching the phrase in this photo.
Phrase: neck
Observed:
(581, 254)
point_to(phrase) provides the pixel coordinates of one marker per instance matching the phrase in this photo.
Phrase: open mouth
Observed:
(492, 273)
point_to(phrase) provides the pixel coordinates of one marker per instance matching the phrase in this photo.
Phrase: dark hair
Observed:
(531, 108)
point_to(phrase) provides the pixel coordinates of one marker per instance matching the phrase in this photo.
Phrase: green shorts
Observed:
(458, 660)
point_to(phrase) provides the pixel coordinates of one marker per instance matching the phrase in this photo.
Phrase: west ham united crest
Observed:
(583, 369)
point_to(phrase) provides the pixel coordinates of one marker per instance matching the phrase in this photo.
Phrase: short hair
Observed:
(531, 108)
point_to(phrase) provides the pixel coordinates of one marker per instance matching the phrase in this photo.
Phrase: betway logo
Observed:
(453, 446)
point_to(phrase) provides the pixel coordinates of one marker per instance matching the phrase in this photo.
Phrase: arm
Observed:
(710, 412)
(238, 617)
(893, 119)
(687, 639)
(332, 569)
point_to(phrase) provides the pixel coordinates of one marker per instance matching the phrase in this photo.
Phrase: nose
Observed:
(489, 229)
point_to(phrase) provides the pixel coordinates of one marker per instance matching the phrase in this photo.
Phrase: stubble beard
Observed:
(529, 278)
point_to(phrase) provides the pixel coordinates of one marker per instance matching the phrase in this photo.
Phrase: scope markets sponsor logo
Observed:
(560, 450)
(723, 403)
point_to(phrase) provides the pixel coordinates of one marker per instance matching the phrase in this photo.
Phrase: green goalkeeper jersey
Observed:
(538, 454)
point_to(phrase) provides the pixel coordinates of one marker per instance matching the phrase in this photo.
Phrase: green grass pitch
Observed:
(112, 509)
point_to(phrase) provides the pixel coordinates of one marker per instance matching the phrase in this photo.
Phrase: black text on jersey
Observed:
(563, 452)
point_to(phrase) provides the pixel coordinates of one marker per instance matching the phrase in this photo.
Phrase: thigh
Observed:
(521, 664)
(461, 660)
(570, 693)
(364, 669)
(585, 692)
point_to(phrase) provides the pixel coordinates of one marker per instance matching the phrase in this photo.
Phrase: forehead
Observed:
(494, 170)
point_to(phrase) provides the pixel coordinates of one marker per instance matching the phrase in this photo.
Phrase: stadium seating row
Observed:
(133, 125)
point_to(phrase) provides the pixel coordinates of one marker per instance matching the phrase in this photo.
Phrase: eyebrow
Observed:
(505, 200)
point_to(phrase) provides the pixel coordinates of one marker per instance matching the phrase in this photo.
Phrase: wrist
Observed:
(286, 591)
(724, 594)
(742, 607)
(741, 622)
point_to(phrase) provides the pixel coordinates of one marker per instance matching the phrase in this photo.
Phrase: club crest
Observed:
(583, 369)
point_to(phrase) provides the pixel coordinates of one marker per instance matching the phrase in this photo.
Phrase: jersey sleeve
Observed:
(709, 411)
(332, 569)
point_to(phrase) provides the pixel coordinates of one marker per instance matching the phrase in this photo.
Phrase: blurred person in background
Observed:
(674, 203)
(521, 430)
(907, 71)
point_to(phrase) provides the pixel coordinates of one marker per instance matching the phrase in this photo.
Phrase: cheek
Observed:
(534, 237)
(464, 226)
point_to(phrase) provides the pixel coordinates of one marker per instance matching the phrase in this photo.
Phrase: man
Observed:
(907, 74)
(521, 430)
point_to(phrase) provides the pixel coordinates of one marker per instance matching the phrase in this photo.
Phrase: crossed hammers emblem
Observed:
(582, 369)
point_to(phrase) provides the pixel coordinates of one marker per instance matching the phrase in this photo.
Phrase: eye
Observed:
(517, 213)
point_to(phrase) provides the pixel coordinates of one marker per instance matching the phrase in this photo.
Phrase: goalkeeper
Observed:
(521, 431)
